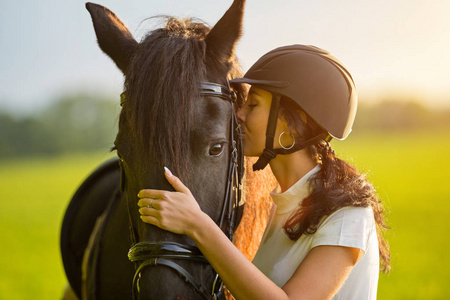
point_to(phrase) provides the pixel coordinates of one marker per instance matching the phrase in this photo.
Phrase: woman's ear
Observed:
(284, 124)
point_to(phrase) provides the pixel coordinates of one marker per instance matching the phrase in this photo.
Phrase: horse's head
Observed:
(166, 120)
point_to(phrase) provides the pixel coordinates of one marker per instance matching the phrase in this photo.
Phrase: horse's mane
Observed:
(161, 84)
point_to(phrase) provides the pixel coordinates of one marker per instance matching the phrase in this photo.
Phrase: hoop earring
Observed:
(279, 141)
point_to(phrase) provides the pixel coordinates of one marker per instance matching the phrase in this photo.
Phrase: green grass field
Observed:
(409, 171)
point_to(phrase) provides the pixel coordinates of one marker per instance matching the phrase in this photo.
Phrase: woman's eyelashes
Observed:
(252, 103)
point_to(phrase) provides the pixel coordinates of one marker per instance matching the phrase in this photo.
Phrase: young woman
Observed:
(324, 239)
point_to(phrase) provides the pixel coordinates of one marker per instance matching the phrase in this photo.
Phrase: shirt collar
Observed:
(292, 197)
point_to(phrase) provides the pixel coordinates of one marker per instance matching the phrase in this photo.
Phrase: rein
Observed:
(145, 254)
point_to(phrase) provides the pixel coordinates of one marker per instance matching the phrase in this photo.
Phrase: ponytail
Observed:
(338, 184)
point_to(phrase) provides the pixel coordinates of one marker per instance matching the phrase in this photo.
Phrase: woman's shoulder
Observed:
(349, 226)
(351, 215)
(352, 212)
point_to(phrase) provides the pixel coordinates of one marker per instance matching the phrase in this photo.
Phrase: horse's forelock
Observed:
(161, 84)
(187, 28)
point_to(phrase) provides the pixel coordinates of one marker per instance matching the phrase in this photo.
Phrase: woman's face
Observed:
(253, 117)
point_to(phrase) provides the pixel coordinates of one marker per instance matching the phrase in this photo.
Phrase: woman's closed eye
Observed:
(251, 103)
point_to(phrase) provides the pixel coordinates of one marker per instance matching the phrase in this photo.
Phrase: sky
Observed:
(392, 47)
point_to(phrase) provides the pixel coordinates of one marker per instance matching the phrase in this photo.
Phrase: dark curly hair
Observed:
(338, 184)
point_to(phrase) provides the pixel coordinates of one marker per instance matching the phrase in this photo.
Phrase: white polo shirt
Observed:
(278, 256)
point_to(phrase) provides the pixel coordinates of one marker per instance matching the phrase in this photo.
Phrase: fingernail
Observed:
(168, 172)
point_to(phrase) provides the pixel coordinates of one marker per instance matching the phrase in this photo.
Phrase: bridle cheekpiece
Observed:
(145, 254)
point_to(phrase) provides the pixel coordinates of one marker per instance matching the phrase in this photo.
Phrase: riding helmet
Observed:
(314, 79)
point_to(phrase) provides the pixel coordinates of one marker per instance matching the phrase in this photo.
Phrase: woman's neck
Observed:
(290, 168)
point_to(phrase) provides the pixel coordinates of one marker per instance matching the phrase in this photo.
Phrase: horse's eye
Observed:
(216, 150)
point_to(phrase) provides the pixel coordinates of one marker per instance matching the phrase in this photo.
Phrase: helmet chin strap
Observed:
(269, 153)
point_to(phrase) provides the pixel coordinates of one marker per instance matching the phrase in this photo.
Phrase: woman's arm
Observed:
(319, 276)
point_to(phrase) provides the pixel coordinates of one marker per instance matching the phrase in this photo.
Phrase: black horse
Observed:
(176, 113)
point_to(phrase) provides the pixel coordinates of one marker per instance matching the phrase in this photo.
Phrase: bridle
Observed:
(145, 254)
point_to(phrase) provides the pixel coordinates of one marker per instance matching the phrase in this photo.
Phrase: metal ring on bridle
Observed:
(279, 141)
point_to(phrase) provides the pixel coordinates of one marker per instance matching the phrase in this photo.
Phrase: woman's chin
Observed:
(250, 153)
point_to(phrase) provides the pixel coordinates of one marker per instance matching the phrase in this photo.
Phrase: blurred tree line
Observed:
(79, 123)
(74, 123)
(400, 115)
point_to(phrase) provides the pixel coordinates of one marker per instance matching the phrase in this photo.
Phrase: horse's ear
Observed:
(113, 36)
(222, 38)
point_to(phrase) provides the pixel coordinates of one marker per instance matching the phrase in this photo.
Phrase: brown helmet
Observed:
(315, 80)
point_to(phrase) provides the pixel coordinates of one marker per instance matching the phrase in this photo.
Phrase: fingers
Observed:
(165, 208)
(151, 220)
(149, 202)
(149, 214)
(149, 206)
(145, 211)
(176, 182)
(163, 194)
(155, 194)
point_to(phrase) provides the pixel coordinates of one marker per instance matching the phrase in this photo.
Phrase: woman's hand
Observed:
(173, 211)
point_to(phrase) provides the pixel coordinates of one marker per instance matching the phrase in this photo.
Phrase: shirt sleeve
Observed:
(347, 227)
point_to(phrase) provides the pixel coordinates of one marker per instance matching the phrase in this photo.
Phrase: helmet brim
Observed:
(269, 83)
